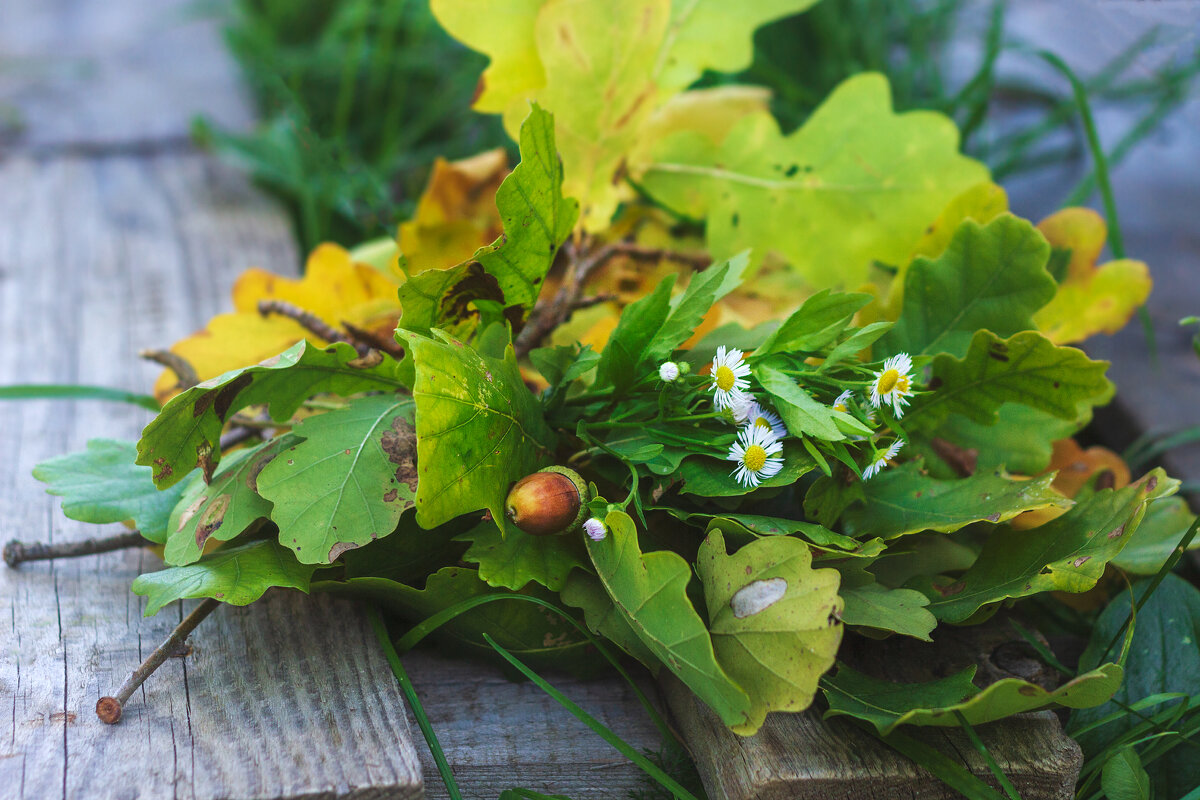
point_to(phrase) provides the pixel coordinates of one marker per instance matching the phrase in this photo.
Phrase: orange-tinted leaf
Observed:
(334, 288)
(456, 214)
(1076, 467)
(1091, 299)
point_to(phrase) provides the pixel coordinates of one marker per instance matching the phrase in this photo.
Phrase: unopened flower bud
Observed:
(669, 371)
(595, 529)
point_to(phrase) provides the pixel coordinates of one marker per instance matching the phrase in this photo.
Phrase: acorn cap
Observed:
(548, 502)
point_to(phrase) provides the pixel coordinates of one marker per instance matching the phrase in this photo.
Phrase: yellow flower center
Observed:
(839, 407)
(755, 458)
(762, 422)
(887, 381)
(903, 385)
(725, 378)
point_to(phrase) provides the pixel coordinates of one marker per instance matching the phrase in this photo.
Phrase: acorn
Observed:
(548, 502)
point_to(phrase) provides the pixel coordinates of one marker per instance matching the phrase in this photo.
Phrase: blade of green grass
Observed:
(647, 766)
(981, 748)
(70, 391)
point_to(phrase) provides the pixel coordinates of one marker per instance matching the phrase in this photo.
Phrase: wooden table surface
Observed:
(114, 236)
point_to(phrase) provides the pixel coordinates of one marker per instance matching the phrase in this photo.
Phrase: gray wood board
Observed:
(116, 74)
(804, 757)
(289, 697)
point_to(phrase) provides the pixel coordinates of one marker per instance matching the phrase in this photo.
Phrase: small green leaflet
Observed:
(650, 592)
(479, 430)
(887, 705)
(348, 482)
(1124, 777)
(537, 220)
(904, 500)
(756, 525)
(187, 433)
(563, 364)
(512, 559)
(651, 328)
(853, 166)
(869, 604)
(103, 484)
(224, 508)
(234, 575)
(711, 477)
(801, 413)
(817, 323)
(1066, 554)
(990, 277)
(773, 620)
(1027, 369)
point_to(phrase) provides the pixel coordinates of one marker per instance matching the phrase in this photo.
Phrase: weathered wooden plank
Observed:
(290, 697)
(498, 734)
(121, 73)
(804, 757)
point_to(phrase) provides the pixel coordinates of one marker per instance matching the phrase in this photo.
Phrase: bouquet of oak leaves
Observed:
(699, 448)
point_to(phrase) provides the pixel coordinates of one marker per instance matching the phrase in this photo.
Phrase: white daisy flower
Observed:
(668, 371)
(729, 373)
(754, 451)
(753, 413)
(880, 459)
(842, 403)
(595, 529)
(893, 383)
(741, 408)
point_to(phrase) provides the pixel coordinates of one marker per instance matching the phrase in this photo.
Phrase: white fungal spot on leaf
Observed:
(758, 596)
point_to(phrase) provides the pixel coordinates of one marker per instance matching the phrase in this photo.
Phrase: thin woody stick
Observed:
(309, 321)
(109, 709)
(16, 552)
(183, 369)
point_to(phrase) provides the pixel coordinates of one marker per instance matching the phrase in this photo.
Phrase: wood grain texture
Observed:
(499, 734)
(120, 74)
(290, 697)
(805, 757)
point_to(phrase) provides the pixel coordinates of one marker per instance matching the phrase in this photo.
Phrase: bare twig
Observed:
(239, 435)
(309, 321)
(109, 709)
(183, 369)
(641, 253)
(16, 552)
(594, 300)
(385, 344)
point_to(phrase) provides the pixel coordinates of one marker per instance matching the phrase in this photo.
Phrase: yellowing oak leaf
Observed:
(456, 214)
(604, 67)
(1091, 299)
(334, 288)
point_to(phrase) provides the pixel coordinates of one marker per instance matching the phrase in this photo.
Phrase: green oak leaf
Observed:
(703, 476)
(537, 218)
(584, 591)
(104, 484)
(1164, 658)
(443, 298)
(1157, 537)
(223, 509)
(887, 705)
(1026, 368)
(1066, 554)
(535, 634)
(990, 277)
(905, 500)
(512, 559)
(234, 575)
(1021, 438)
(188, 429)
(853, 166)
(773, 620)
(478, 430)
(868, 604)
(348, 482)
(650, 593)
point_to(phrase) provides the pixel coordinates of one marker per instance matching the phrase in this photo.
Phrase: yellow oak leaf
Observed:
(334, 288)
(1091, 299)
(456, 214)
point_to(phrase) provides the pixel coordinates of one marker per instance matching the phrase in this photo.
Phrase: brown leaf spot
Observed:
(336, 551)
(1116, 533)
(400, 445)
(1079, 562)
(391, 496)
(260, 463)
(204, 460)
(1028, 691)
(164, 470)
(1152, 483)
(227, 395)
(950, 590)
(372, 358)
(203, 403)
(190, 512)
(212, 519)
(993, 517)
